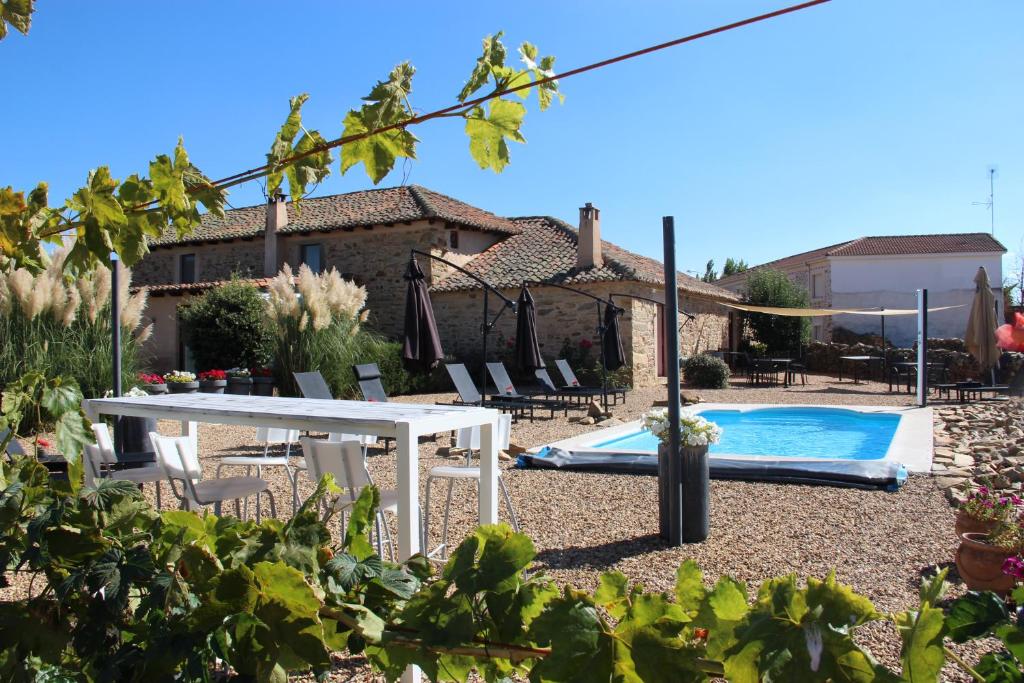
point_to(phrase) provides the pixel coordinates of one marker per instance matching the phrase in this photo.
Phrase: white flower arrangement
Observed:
(694, 430)
(241, 373)
(180, 376)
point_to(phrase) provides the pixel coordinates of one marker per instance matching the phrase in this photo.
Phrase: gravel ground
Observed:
(584, 524)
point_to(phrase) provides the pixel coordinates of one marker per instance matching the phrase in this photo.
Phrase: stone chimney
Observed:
(277, 218)
(588, 251)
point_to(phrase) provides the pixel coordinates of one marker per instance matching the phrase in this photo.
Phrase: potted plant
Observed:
(983, 510)
(239, 382)
(181, 382)
(992, 562)
(213, 381)
(696, 434)
(262, 381)
(152, 383)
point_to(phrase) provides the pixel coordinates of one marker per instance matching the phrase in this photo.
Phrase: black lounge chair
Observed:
(507, 391)
(571, 381)
(368, 377)
(470, 396)
(578, 395)
(312, 385)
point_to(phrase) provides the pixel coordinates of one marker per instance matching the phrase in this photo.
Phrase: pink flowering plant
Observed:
(986, 505)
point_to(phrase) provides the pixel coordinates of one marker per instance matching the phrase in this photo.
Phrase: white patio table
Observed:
(405, 422)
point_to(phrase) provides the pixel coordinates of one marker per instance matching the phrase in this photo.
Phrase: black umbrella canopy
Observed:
(611, 343)
(421, 344)
(527, 346)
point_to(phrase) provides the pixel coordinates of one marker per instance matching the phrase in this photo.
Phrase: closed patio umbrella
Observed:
(981, 325)
(421, 344)
(527, 347)
(611, 343)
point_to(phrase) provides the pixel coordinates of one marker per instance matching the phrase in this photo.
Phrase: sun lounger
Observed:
(368, 377)
(508, 391)
(571, 381)
(470, 396)
(578, 395)
(313, 385)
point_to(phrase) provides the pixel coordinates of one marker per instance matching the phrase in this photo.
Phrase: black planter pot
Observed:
(183, 387)
(212, 386)
(155, 389)
(696, 512)
(262, 386)
(135, 434)
(239, 386)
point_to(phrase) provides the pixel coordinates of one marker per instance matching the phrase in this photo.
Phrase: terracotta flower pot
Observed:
(981, 564)
(968, 525)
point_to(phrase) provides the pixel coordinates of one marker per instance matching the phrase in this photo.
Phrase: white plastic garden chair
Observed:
(181, 466)
(344, 460)
(469, 439)
(101, 459)
(268, 436)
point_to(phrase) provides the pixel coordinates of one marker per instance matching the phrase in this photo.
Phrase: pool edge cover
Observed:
(862, 474)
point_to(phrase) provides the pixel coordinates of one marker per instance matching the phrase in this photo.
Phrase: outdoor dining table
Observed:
(908, 366)
(856, 362)
(405, 422)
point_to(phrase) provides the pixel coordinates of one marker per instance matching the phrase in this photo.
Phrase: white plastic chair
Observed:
(101, 460)
(181, 464)
(345, 461)
(363, 441)
(268, 436)
(469, 439)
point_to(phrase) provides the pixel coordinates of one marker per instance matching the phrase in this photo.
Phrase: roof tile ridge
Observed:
(418, 196)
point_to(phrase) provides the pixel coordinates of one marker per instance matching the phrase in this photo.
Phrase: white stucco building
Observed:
(886, 272)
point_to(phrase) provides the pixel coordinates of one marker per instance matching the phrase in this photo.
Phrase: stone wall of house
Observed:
(218, 261)
(564, 316)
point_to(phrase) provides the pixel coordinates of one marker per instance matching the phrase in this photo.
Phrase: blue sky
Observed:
(857, 117)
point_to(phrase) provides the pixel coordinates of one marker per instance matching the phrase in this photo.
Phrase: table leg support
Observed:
(191, 430)
(408, 509)
(488, 495)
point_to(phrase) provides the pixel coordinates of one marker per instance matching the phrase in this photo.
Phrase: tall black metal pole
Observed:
(600, 350)
(922, 347)
(674, 527)
(115, 340)
(485, 330)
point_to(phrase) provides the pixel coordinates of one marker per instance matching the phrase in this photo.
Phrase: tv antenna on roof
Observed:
(991, 203)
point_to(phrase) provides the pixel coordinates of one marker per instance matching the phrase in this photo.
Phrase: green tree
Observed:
(733, 266)
(710, 275)
(226, 327)
(781, 334)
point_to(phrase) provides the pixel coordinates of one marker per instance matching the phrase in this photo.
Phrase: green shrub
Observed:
(706, 372)
(227, 327)
(59, 326)
(781, 334)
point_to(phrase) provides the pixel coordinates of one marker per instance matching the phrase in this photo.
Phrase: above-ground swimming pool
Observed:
(861, 446)
(834, 433)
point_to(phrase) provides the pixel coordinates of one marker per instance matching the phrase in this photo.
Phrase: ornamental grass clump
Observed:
(694, 430)
(57, 324)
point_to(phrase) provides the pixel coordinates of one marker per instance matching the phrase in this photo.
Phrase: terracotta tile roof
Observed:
(886, 245)
(353, 209)
(897, 245)
(545, 251)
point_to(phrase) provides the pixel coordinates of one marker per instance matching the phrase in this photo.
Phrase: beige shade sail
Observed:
(981, 325)
(816, 312)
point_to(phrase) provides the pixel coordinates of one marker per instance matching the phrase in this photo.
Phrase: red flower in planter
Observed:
(147, 378)
(212, 375)
(586, 343)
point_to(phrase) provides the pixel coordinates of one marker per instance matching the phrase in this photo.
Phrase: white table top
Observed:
(355, 417)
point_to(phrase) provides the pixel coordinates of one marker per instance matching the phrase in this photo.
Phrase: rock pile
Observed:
(979, 444)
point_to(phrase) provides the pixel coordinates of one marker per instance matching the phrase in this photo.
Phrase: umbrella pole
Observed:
(115, 343)
(485, 330)
(604, 368)
(885, 352)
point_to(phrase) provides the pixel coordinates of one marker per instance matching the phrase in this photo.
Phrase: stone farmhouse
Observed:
(886, 272)
(367, 236)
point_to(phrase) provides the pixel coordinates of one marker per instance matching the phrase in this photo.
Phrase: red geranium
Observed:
(146, 378)
(585, 343)
(262, 372)
(212, 375)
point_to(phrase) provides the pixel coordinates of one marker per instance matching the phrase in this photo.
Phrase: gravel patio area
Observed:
(584, 523)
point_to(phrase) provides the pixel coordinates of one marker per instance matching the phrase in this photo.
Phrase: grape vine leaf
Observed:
(18, 14)
(306, 171)
(974, 615)
(922, 632)
(488, 132)
(541, 69)
(493, 56)
(386, 105)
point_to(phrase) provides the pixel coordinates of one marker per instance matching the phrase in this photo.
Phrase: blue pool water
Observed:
(787, 432)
